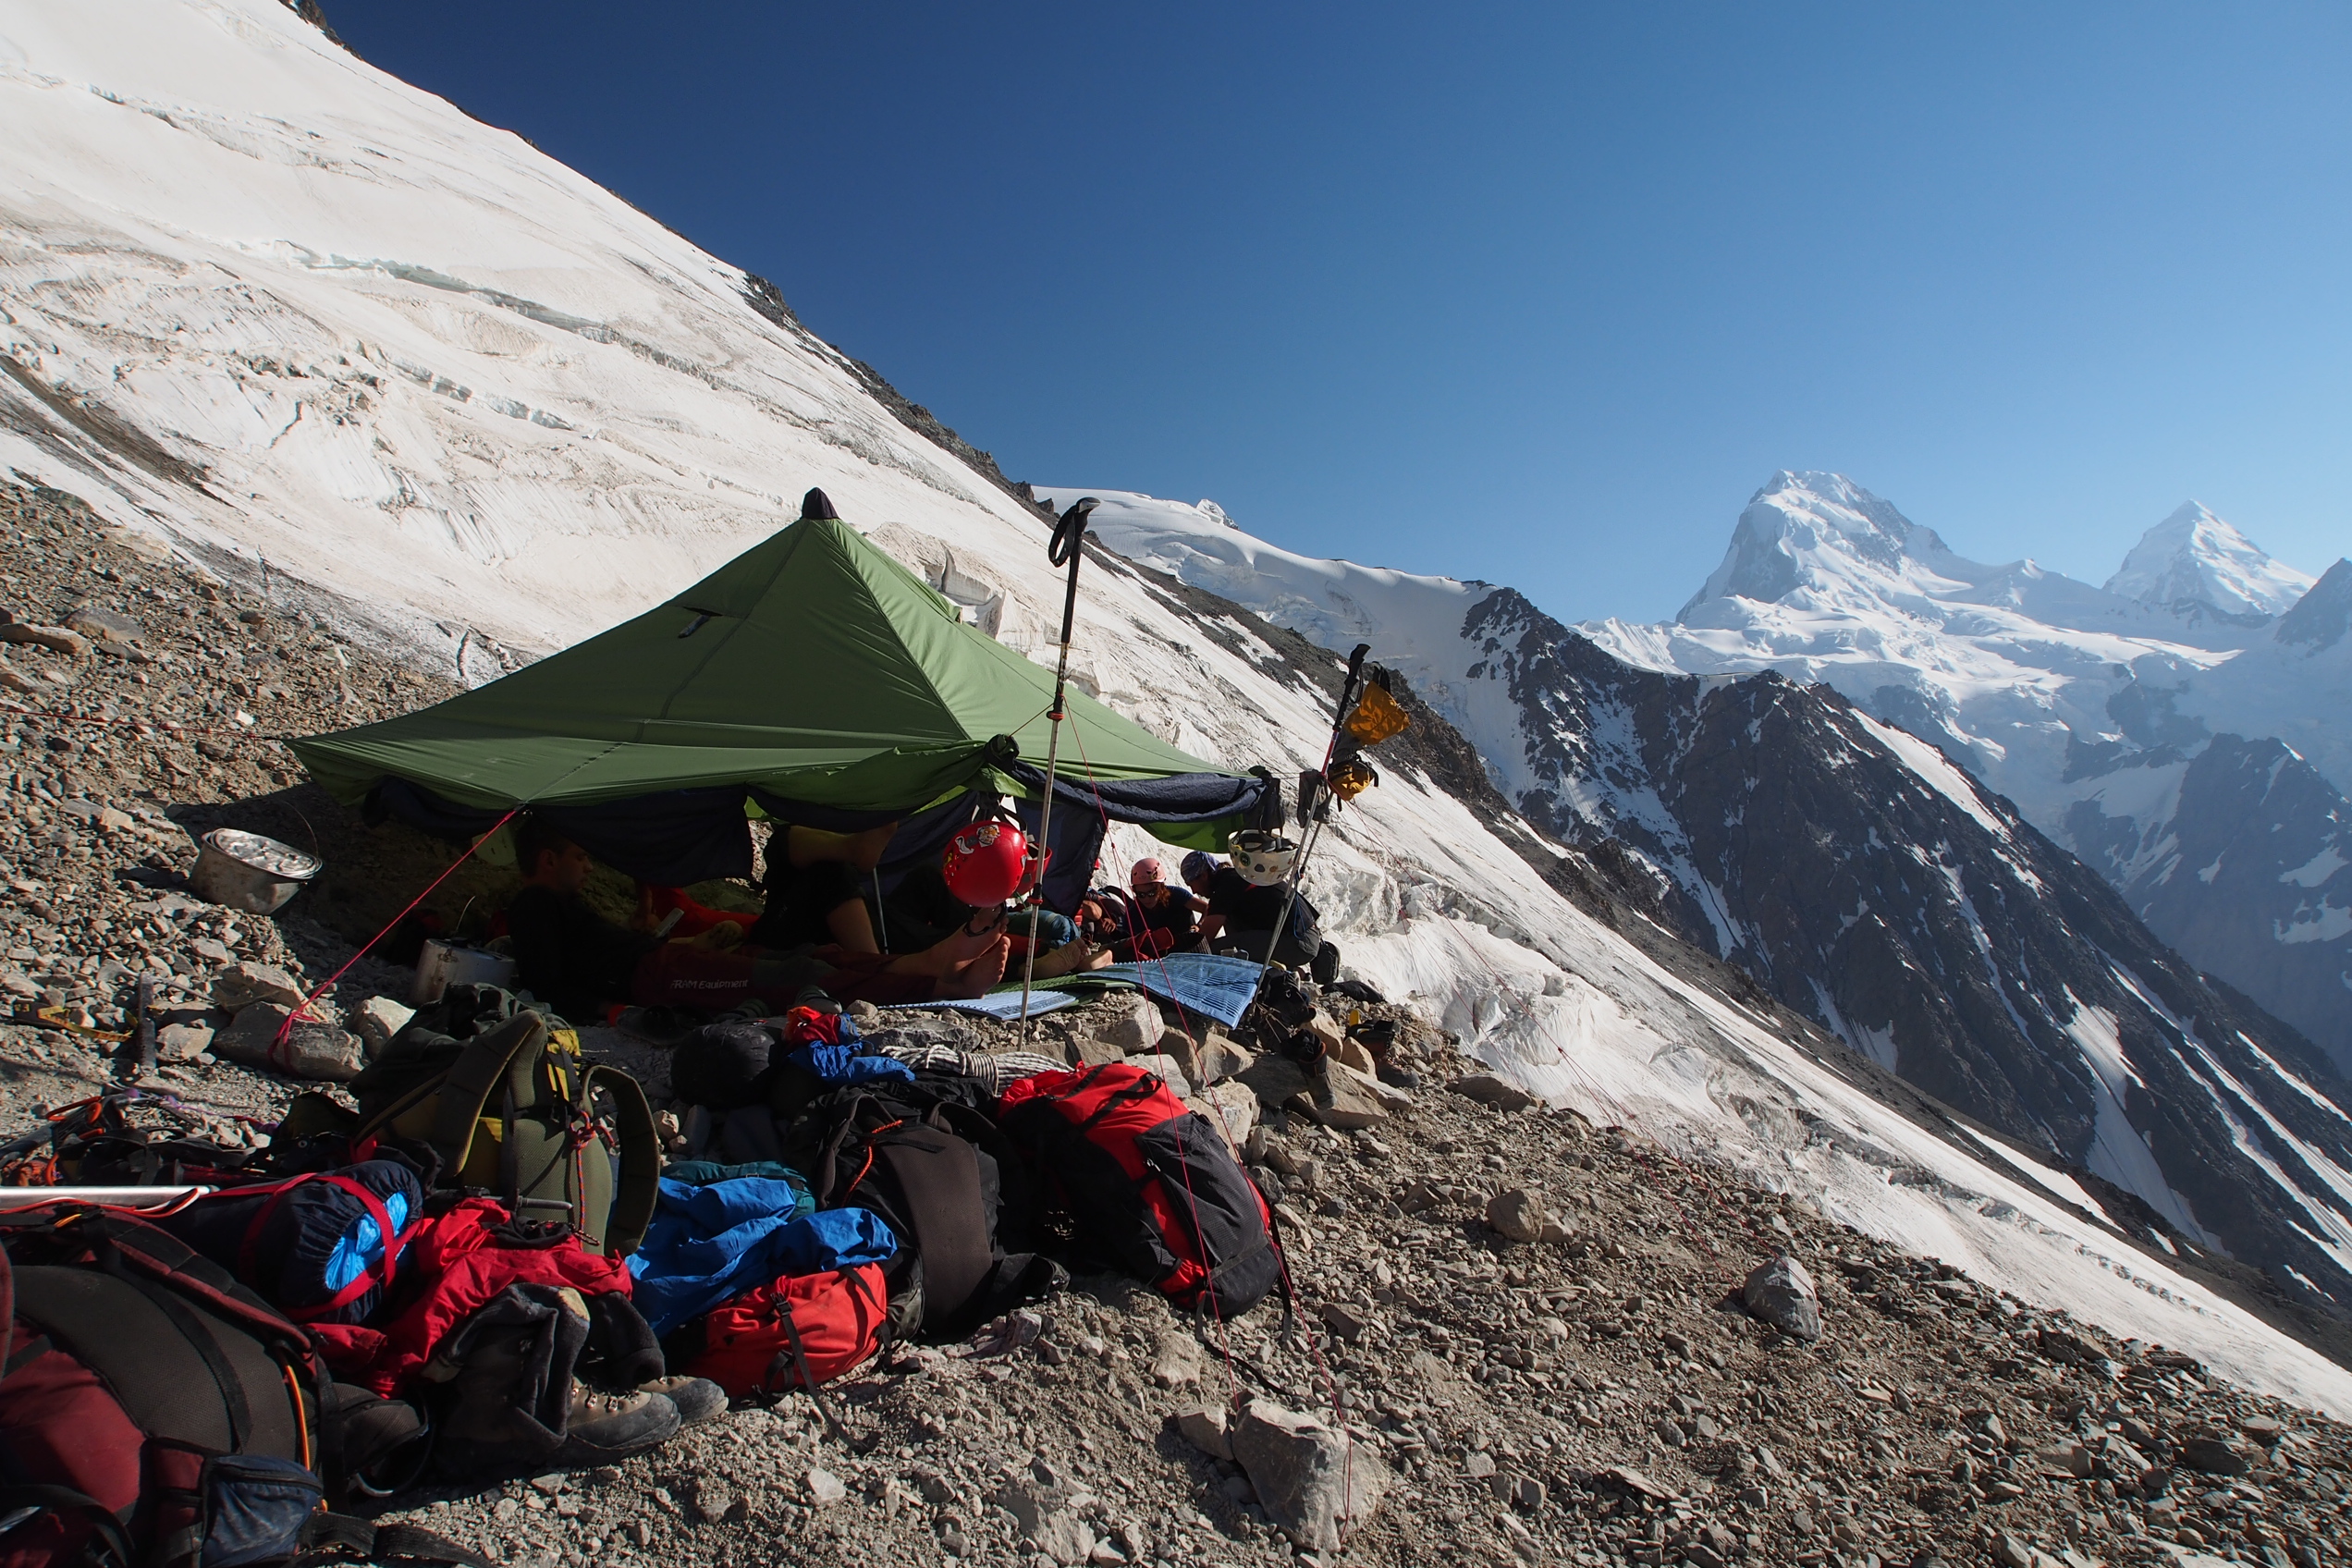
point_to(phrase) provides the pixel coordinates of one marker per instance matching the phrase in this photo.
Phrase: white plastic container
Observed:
(443, 964)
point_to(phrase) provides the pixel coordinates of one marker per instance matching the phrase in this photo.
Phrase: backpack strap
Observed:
(325, 1534)
(637, 1190)
(65, 1500)
(490, 1059)
(1142, 1088)
(940, 1176)
(799, 1353)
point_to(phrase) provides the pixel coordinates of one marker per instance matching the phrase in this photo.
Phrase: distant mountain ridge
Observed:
(2103, 712)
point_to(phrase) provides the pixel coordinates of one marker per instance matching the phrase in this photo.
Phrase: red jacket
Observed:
(460, 1263)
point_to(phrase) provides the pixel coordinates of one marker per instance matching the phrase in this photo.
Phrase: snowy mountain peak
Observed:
(2322, 617)
(1820, 534)
(2194, 560)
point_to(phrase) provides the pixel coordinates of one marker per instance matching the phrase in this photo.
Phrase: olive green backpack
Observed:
(502, 1093)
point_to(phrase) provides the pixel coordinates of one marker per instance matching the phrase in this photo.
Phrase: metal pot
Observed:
(245, 871)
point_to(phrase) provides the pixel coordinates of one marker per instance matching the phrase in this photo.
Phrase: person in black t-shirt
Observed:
(816, 888)
(1242, 917)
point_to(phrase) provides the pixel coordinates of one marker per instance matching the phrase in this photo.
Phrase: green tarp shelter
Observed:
(812, 679)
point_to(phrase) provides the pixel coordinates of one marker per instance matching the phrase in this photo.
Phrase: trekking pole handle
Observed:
(1063, 549)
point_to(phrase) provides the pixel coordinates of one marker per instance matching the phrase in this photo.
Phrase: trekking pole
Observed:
(1069, 534)
(1350, 690)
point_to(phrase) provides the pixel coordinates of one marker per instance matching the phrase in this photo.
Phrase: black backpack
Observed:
(928, 1159)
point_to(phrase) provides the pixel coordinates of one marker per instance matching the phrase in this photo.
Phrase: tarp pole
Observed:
(1350, 690)
(1068, 535)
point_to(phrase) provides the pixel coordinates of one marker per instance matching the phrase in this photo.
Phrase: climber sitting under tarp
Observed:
(582, 965)
(811, 681)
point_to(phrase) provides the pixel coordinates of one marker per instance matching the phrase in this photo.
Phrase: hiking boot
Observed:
(601, 1428)
(697, 1398)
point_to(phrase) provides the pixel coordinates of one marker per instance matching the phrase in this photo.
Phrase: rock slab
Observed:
(1782, 1293)
(1315, 1484)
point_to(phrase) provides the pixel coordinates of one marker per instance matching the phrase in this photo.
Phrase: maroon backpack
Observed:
(155, 1411)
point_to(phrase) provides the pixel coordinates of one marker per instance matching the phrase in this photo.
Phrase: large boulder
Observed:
(1487, 1089)
(1782, 1293)
(1316, 1485)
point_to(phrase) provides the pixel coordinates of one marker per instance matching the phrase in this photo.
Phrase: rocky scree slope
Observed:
(1591, 1397)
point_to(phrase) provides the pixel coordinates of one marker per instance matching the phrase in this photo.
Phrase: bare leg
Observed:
(851, 926)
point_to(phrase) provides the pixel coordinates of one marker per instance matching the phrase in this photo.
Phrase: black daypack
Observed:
(932, 1164)
(154, 1414)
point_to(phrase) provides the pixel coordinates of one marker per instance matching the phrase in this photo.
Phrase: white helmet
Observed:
(1263, 858)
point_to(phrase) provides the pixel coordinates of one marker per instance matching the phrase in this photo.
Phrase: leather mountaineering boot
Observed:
(602, 1428)
(697, 1398)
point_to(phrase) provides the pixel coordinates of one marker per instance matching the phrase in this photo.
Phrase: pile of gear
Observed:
(486, 1266)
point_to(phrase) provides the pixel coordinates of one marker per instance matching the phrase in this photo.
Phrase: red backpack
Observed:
(1151, 1185)
(796, 1333)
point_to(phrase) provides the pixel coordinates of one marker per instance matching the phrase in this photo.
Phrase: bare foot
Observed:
(974, 978)
(963, 945)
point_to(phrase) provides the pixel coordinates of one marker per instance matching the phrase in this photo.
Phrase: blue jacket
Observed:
(709, 1245)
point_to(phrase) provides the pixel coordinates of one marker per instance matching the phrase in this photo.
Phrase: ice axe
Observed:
(1063, 548)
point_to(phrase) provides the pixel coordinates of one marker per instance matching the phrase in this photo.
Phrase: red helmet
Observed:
(986, 862)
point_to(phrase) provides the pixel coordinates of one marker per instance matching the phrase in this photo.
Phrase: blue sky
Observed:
(1534, 294)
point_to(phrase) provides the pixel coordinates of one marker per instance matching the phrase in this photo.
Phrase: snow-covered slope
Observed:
(279, 308)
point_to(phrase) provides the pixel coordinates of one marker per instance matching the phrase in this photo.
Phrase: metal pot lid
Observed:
(267, 856)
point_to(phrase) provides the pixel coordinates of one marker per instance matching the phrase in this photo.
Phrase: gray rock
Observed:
(1232, 1107)
(824, 1488)
(1347, 1099)
(1479, 1465)
(1345, 1323)
(183, 1042)
(1134, 1027)
(241, 985)
(100, 624)
(1487, 1089)
(1048, 1524)
(2214, 1456)
(1520, 1214)
(1170, 1069)
(1316, 1485)
(1175, 1360)
(376, 1019)
(1221, 1058)
(1782, 1293)
(1204, 1426)
(310, 1050)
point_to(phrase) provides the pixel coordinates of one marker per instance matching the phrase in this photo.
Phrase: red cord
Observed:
(286, 1030)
